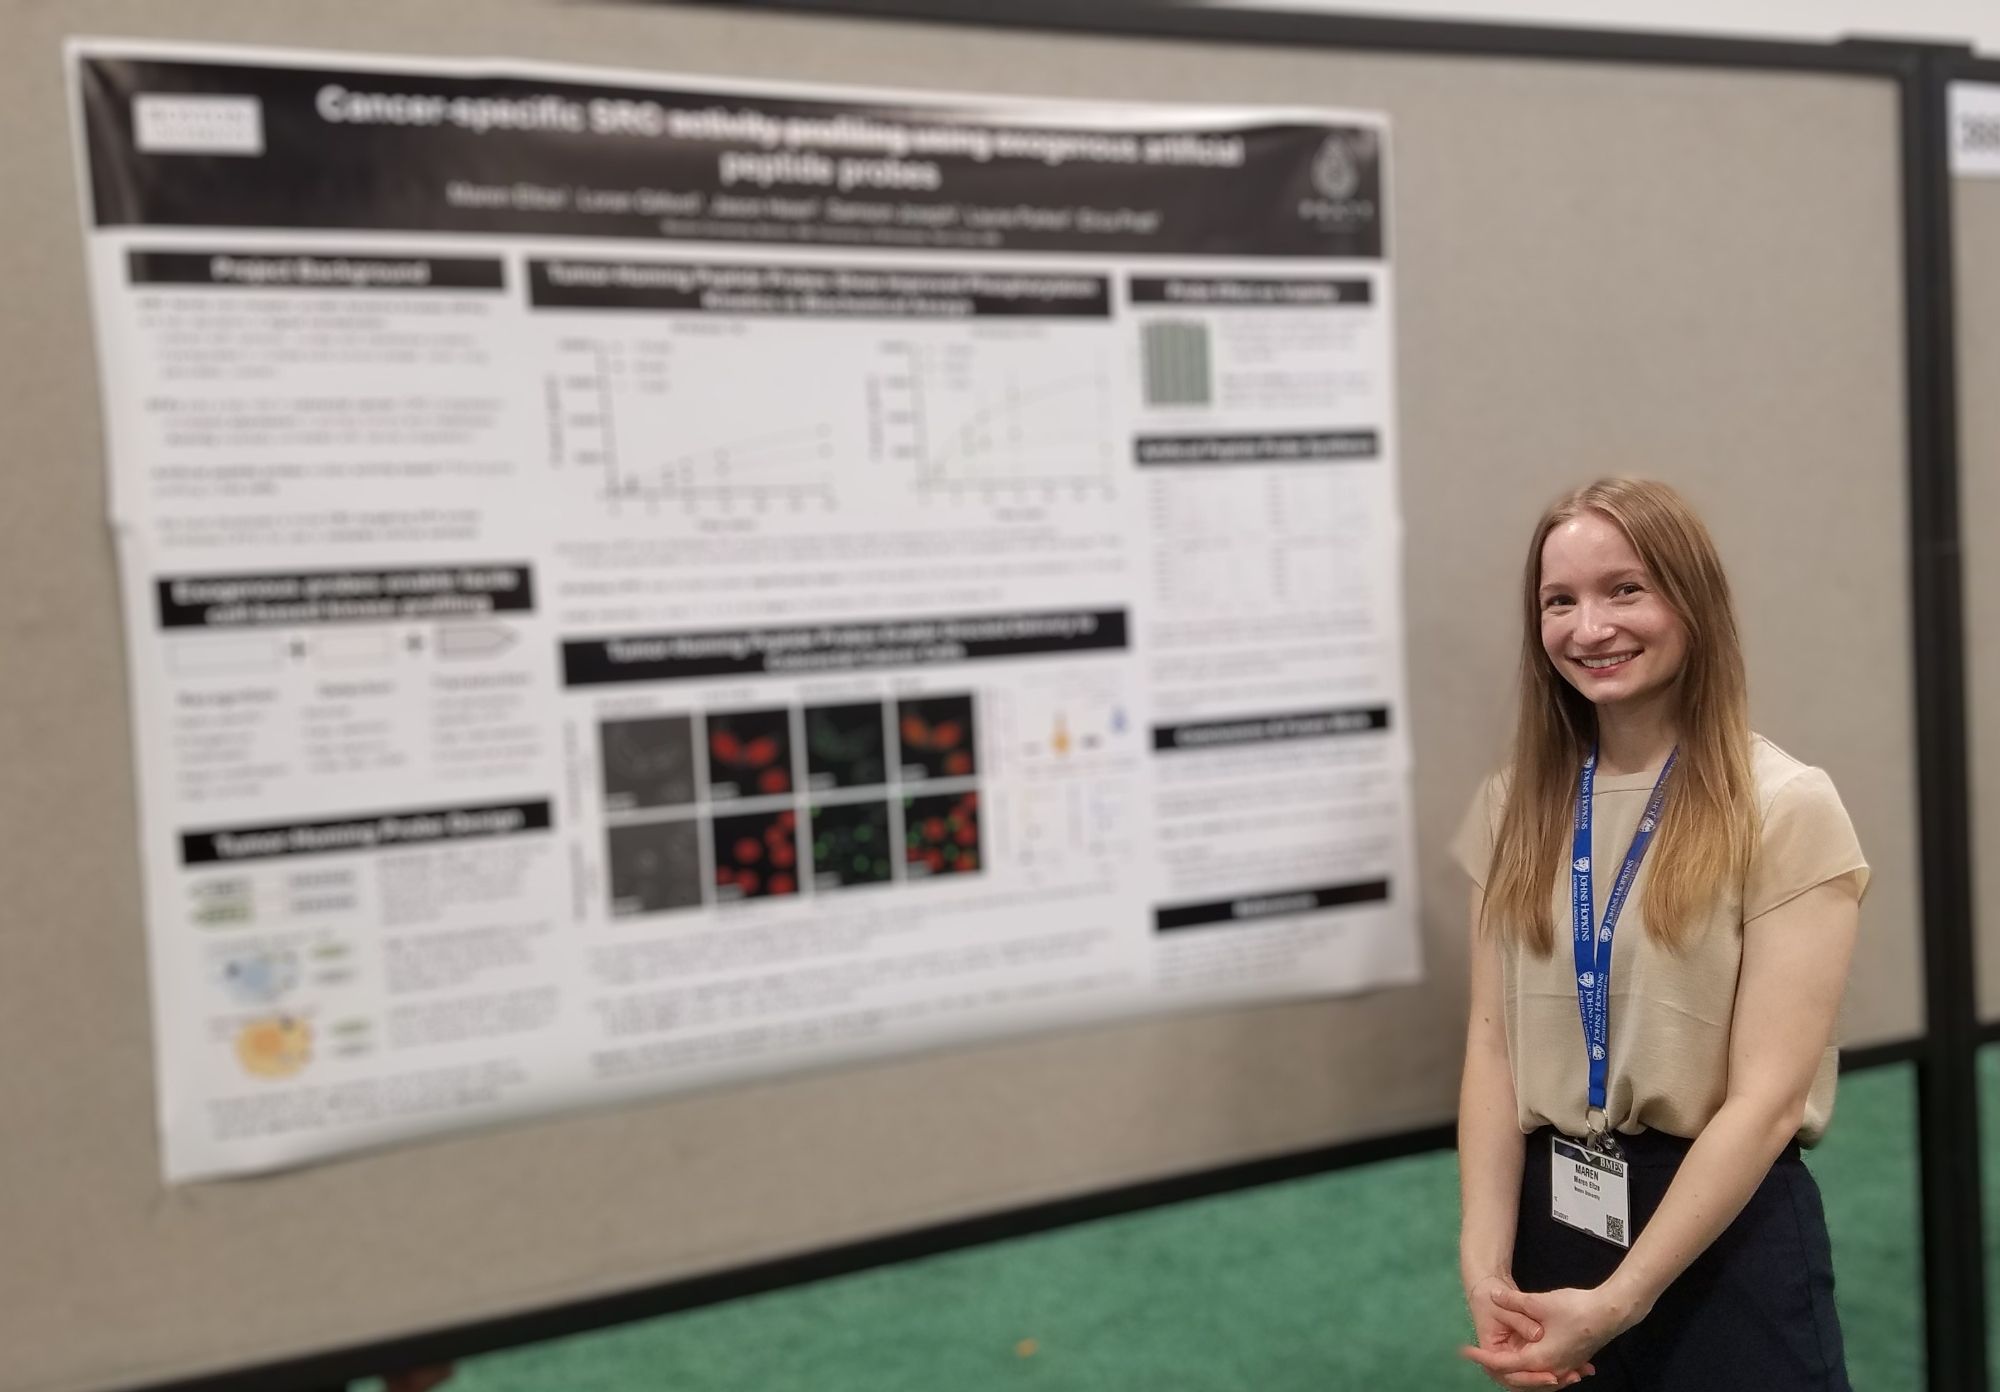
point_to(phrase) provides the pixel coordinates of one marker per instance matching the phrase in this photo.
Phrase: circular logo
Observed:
(1583, 862)
(1597, 1052)
(1336, 170)
(1587, 980)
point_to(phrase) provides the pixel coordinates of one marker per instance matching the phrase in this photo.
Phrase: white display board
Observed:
(633, 584)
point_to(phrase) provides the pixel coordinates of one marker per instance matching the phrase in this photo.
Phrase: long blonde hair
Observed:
(1710, 825)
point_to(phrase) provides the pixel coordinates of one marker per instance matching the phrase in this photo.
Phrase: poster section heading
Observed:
(1268, 729)
(373, 832)
(342, 596)
(184, 143)
(291, 270)
(814, 291)
(1251, 292)
(1261, 908)
(840, 647)
(1307, 447)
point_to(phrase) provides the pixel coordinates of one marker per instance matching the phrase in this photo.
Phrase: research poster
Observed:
(638, 582)
(1974, 111)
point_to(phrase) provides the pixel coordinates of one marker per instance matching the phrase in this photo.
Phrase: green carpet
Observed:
(1347, 1280)
(1989, 1143)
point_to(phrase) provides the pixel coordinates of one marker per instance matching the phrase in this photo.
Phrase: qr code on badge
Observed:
(1614, 1228)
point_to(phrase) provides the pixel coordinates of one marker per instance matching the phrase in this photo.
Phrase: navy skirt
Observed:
(1753, 1312)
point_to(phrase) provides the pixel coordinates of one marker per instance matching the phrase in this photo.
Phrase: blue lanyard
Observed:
(1592, 946)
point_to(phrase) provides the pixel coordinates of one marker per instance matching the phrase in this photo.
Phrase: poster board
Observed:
(1975, 197)
(635, 585)
(1693, 274)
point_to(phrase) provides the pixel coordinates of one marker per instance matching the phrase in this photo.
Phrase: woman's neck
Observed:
(1635, 737)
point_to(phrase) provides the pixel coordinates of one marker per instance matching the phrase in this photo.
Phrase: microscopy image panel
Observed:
(850, 845)
(655, 867)
(844, 746)
(935, 736)
(941, 834)
(756, 855)
(749, 753)
(648, 762)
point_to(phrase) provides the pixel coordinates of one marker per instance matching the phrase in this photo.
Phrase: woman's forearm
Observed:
(1490, 1155)
(1490, 1143)
(1722, 1170)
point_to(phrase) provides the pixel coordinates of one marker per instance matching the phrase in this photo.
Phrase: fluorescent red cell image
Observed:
(941, 834)
(749, 754)
(935, 735)
(756, 855)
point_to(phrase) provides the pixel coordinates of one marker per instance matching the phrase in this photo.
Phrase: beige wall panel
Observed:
(1976, 234)
(1600, 268)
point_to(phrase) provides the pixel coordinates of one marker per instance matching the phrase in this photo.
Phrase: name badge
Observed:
(1587, 1191)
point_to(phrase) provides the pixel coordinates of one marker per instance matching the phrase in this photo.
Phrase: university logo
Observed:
(1336, 170)
(1338, 181)
(1583, 862)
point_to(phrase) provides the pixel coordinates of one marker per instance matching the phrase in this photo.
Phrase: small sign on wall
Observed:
(1975, 129)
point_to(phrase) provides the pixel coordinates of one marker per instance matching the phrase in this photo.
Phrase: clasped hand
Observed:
(1538, 1339)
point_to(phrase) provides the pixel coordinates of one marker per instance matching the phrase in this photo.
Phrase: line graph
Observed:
(657, 422)
(977, 415)
(770, 459)
(714, 414)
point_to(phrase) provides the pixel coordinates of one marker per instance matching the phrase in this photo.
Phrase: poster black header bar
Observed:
(272, 599)
(1269, 729)
(295, 270)
(814, 292)
(1252, 292)
(203, 143)
(1259, 908)
(1307, 447)
(815, 648)
(371, 832)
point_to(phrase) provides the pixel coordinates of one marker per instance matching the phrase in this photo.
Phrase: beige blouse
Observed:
(1670, 1011)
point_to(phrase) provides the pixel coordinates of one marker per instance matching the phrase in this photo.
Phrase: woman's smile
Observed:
(1605, 665)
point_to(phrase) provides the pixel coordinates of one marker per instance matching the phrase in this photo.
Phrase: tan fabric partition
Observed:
(1601, 268)
(1976, 231)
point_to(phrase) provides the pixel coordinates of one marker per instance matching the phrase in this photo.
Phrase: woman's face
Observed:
(1605, 625)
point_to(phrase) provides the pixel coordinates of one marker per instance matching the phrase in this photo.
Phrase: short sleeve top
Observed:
(1670, 1010)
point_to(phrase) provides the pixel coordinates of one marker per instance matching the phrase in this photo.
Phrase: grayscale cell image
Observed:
(648, 762)
(655, 867)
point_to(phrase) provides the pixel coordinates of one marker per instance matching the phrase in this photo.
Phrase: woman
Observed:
(1634, 1206)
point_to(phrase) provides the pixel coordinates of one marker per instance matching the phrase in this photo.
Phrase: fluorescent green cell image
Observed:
(851, 845)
